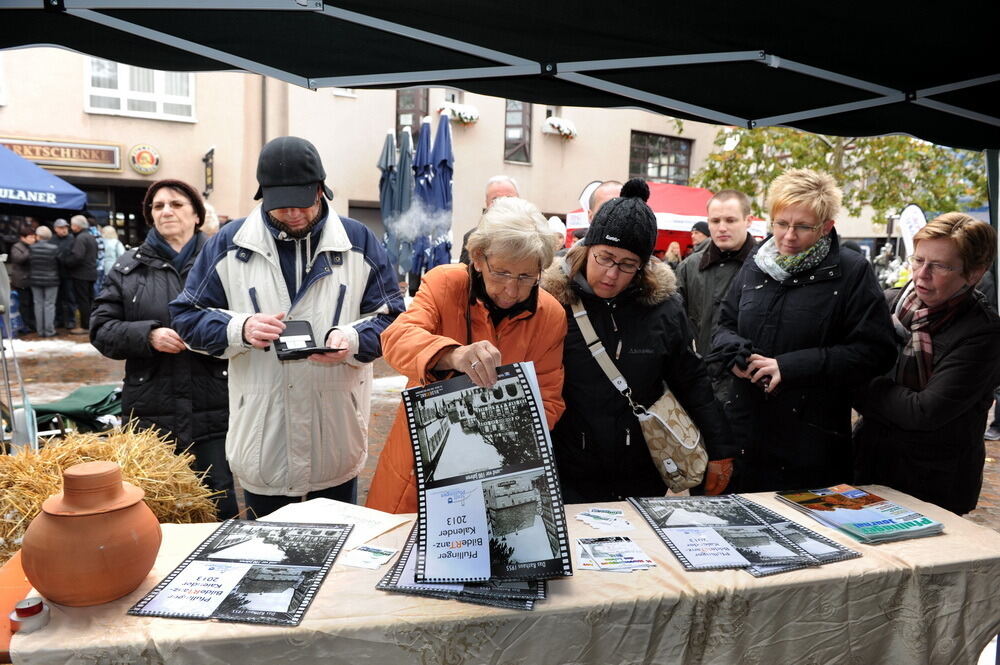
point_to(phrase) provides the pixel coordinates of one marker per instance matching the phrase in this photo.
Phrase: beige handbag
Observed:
(673, 440)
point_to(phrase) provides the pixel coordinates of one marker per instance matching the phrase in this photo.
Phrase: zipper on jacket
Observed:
(340, 305)
(628, 437)
(583, 440)
(253, 299)
(614, 327)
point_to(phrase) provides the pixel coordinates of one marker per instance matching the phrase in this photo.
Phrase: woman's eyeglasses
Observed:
(523, 281)
(608, 261)
(798, 228)
(918, 262)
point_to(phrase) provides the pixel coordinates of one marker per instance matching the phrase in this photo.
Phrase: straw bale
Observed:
(174, 492)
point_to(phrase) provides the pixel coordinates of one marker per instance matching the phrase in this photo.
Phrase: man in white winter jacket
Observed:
(297, 428)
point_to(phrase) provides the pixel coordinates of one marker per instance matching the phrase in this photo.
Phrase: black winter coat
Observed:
(81, 260)
(184, 393)
(929, 443)
(20, 265)
(44, 263)
(830, 331)
(65, 245)
(600, 451)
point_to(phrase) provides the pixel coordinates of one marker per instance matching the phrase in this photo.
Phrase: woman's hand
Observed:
(479, 361)
(166, 340)
(765, 371)
(717, 476)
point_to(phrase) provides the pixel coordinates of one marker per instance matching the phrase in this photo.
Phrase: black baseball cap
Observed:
(288, 171)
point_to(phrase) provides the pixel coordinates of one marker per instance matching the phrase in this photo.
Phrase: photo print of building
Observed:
(476, 429)
(267, 591)
(294, 545)
(700, 511)
(521, 519)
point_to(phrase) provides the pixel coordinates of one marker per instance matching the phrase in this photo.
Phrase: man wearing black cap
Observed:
(699, 234)
(296, 427)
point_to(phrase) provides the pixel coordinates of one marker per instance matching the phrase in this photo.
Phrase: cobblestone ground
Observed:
(51, 376)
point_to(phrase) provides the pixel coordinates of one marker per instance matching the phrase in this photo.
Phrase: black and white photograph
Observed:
(760, 545)
(267, 592)
(714, 511)
(475, 429)
(249, 572)
(291, 544)
(521, 519)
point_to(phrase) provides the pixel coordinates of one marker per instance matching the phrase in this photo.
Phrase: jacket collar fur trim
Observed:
(659, 287)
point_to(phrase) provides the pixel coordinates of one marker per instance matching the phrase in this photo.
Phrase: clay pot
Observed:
(93, 542)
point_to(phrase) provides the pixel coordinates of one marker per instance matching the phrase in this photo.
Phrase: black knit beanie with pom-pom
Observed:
(626, 222)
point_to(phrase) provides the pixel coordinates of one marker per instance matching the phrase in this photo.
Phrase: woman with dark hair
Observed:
(181, 393)
(631, 301)
(922, 431)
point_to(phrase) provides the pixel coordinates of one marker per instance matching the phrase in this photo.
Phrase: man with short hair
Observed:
(603, 193)
(81, 266)
(65, 302)
(297, 427)
(496, 187)
(499, 186)
(703, 278)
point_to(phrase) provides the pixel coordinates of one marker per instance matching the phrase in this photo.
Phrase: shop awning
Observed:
(26, 185)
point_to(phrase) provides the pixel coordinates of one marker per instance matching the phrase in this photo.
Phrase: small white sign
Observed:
(911, 220)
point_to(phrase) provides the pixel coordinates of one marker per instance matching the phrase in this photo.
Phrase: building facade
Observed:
(112, 129)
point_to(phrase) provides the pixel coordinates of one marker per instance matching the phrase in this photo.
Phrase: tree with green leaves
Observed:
(884, 172)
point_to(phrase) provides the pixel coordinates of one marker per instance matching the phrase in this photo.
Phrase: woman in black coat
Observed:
(802, 325)
(182, 393)
(923, 424)
(631, 300)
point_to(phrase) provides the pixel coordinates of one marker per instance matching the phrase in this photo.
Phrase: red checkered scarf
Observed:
(915, 323)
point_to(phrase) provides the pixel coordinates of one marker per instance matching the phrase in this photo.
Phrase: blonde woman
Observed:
(803, 324)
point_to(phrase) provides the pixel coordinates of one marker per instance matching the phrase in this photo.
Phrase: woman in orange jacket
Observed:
(472, 319)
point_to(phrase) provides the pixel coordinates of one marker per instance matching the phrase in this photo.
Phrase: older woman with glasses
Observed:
(922, 430)
(803, 324)
(470, 320)
(630, 299)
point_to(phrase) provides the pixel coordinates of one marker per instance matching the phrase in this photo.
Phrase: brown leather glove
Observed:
(717, 475)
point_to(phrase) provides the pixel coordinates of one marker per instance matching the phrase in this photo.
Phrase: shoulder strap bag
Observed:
(673, 440)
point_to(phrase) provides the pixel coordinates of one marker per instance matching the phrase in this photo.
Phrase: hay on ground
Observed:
(174, 492)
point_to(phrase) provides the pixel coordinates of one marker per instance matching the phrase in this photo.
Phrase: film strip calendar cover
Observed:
(716, 532)
(818, 546)
(489, 503)
(401, 578)
(249, 572)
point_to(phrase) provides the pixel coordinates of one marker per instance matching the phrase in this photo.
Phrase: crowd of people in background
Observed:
(796, 364)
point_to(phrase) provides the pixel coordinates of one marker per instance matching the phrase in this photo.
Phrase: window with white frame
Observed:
(118, 89)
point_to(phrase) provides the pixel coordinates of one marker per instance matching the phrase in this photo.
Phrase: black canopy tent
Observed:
(853, 69)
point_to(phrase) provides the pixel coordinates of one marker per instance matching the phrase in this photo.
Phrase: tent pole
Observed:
(993, 189)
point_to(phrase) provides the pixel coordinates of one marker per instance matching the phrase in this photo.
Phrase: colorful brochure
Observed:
(862, 515)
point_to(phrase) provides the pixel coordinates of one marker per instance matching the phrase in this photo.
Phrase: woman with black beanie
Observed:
(630, 298)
